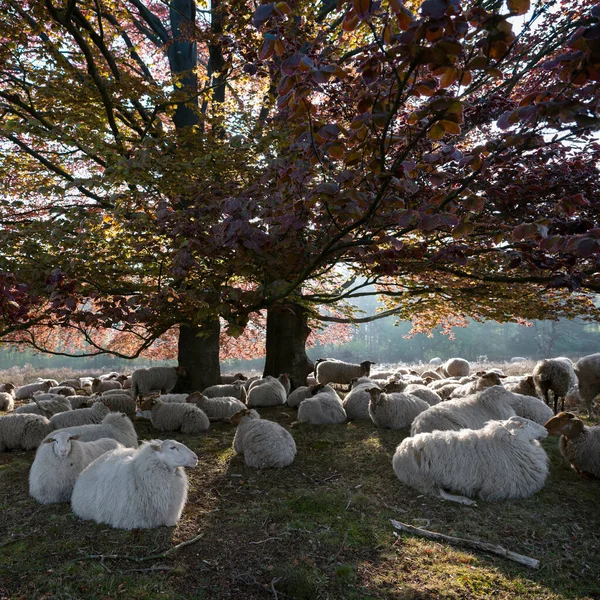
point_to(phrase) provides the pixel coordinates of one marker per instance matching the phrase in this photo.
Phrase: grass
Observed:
(318, 529)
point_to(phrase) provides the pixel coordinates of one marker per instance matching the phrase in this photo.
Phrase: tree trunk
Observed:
(198, 354)
(287, 332)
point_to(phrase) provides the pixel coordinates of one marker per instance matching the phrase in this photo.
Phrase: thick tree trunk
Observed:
(287, 332)
(198, 353)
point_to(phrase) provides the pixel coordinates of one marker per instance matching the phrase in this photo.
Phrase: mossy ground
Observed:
(318, 529)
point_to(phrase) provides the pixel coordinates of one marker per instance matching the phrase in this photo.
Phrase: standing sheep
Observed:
(329, 371)
(268, 391)
(23, 431)
(114, 425)
(58, 462)
(587, 370)
(163, 379)
(175, 416)
(502, 460)
(135, 489)
(394, 411)
(264, 444)
(555, 375)
(81, 416)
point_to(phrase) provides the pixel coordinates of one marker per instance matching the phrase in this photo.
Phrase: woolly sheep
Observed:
(529, 407)
(429, 374)
(163, 379)
(445, 391)
(523, 385)
(117, 426)
(341, 372)
(502, 460)
(8, 387)
(119, 403)
(579, 444)
(455, 367)
(587, 370)
(268, 392)
(394, 411)
(117, 392)
(237, 390)
(422, 392)
(58, 462)
(26, 391)
(484, 380)
(299, 394)
(175, 416)
(471, 412)
(169, 398)
(81, 416)
(216, 409)
(7, 401)
(230, 378)
(62, 390)
(356, 402)
(248, 383)
(80, 401)
(135, 489)
(23, 431)
(555, 375)
(46, 408)
(263, 443)
(103, 385)
(75, 383)
(393, 386)
(435, 361)
(322, 409)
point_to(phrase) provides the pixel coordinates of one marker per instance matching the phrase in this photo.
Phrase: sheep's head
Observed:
(61, 441)
(524, 428)
(9, 387)
(395, 386)
(376, 395)
(565, 423)
(174, 454)
(315, 389)
(196, 397)
(365, 366)
(489, 379)
(149, 403)
(237, 418)
(240, 377)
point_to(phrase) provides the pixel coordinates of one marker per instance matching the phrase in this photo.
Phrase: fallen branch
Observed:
(492, 548)
(140, 559)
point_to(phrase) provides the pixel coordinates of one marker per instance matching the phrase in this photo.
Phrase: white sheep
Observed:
(236, 389)
(58, 462)
(163, 379)
(7, 397)
(587, 370)
(232, 378)
(135, 489)
(323, 408)
(502, 460)
(122, 402)
(103, 385)
(394, 411)
(299, 394)
(23, 431)
(26, 391)
(484, 380)
(74, 382)
(62, 390)
(169, 398)
(423, 392)
(46, 408)
(529, 407)
(81, 416)
(356, 402)
(175, 416)
(216, 409)
(117, 426)
(269, 391)
(329, 371)
(81, 401)
(263, 443)
(522, 385)
(555, 375)
(471, 412)
(455, 367)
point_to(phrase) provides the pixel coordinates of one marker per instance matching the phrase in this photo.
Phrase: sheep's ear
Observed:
(49, 441)
(74, 437)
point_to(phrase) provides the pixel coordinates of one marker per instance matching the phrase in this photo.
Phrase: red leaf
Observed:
(362, 9)
(262, 13)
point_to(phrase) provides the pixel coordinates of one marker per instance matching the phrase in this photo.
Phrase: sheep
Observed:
(135, 489)
(26, 391)
(249, 382)
(237, 390)
(341, 372)
(229, 378)
(299, 394)
(163, 379)
(117, 426)
(499, 461)
(555, 375)
(82, 416)
(8, 387)
(170, 398)
(75, 383)
(122, 402)
(47, 408)
(109, 376)
(455, 367)
(436, 361)
(579, 444)
(80, 401)
(263, 443)
(116, 392)
(382, 374)
(587, 370)
(58, 462)
(422, 392)
(356, 402)
(7, 397)
(523, 385)
(529, 407)
(268, 392)
(103, 385)
(216, 409)
(394, 411)
(471, 412)
(445, 391)
(429, 374)
(484, 380)
(176, 416)
(24, 431)
(62, 390)
(323, 408)
(52, 382)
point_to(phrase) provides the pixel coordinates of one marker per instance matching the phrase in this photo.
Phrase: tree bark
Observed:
(198, 354)
(287, 332)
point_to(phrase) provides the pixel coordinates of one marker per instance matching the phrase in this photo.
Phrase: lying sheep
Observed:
(122, 402)
(26, 391)
(523, 385)
(46, 408)
(23, 431)
(264, 444)
(555, 375)
(169, 398)
(579, 444)
(529, 407)
(299, 394)
(484, 380)
(58, 462)
(157, 379)
(7, 397)
(502, 460)
(422, 392)
(268, 391)
(429, 374)
(356, 402)
(323, 408)
(135, 489)
(81, 401)
(216, 409)
(394, 411)
(81, 416)
(75, 383)
(8, 387)
(103, 385)
(62, 390)
(395, 386)
(229, 378)
(455, 367)
(472, 412)
(587, 370)
(237, 390)
(175, 416)
(114, 425)
(329, 371)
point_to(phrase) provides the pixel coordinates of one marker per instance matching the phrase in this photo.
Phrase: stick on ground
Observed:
(492, 548)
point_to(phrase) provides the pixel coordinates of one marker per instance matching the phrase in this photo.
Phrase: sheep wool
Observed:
(46, 408)
(394, 411)
(484, 380)
(122, 402)
(555, 375)
(81, 416)
(175, 416)
(62, 390)
(322, 409)
(299, 394)
(263, 443)
(216, 409)
(587, 370)
(502, 460)
(81, 401)
(529, 407)
(58, 462)
(163, 379)
(356, 402)
(26, 391)
(103, 385)
(423, 392)
(135, 489)
(267, 392)
(329, 371)
(523, 385)
(7, 401)
(455, 367)
(114, 425)
(23, 431)
(237, 390)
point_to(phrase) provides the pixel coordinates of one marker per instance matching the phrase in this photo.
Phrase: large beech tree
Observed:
(167, 164)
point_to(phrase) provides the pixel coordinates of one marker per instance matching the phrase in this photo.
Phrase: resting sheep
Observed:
(356, 402)
(216, 409)
(62, 390)
(46, 408)
(23, 431)
(502, 460)
(555, 375)
(7, 397)
(81, 401)
(122, 402)
(81, 416)
(263, 443)
(587, 370)
(455, 367)
(103, 385)
(175, 416)
(329, 371)
(323, 408)
(394, 411)
(229, 378)
(423, 392)
(163, 379)
(135, 489)
(237, 390)
(523, 385)
(484, 380)
(26, 391)
(269, 391)
(58, 462)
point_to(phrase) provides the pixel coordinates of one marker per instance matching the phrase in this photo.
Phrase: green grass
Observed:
(318, 529)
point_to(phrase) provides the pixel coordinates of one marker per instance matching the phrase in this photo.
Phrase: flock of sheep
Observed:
(471, 435)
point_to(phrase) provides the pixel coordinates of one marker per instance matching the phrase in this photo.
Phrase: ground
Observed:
(317, 529)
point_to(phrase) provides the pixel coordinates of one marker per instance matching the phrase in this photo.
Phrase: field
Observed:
(318, 529)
